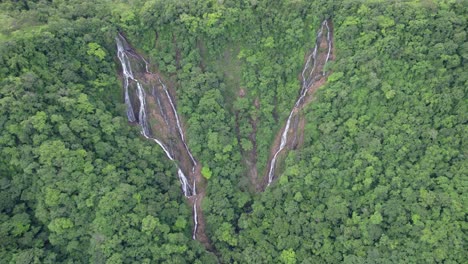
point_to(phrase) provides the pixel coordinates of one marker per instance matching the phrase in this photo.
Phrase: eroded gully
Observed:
(137, 77)
(313, 73)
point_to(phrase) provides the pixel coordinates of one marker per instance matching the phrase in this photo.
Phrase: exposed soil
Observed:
(167, 134)
(296, 129)
(163, 120)
(313, 88)
(276, 143)
(163, 126)
(197, 199)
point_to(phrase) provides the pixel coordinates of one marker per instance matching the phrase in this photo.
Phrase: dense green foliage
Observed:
(381, 177)
(77, 183)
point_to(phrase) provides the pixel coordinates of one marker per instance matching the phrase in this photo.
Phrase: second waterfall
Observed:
(160, 123)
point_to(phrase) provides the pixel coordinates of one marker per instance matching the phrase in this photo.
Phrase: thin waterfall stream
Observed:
(163, 112)
(181, 132)
(131, 82)
(309, 76)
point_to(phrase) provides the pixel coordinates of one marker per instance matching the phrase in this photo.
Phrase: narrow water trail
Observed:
(136, 76)
(156, 114)
(195, 219)
(179, 127)
(129, 77)
(312, 72)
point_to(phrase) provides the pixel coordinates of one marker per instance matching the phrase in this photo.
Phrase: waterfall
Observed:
(307, 81)
(184, 182)
(328, 42)
(122, 54)
(284, 138)
(181, 132)
(131, 81)
(128, 75)
(142, 120)
(195, 219)
(161, 109)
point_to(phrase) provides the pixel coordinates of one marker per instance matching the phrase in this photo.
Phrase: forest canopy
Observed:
(379, 176)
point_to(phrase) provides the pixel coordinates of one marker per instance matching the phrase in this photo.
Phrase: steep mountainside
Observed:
(233, 131)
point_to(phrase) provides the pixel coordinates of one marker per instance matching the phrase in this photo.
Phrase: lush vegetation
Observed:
(381, 176)
(78, 185)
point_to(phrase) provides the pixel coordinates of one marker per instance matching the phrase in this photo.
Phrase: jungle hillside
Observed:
(223, 131)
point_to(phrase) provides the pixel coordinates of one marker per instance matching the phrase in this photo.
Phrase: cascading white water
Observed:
(128, 75)
(142, 118)
(122, 53)
(329, 45)
(307, 81)
(181, 132)
(161, 109)
(184, 182)
(195, 219)
(188, 190)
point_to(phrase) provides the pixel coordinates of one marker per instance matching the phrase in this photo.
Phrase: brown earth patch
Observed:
(297, 120)
(197, 200)
(163, 126)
